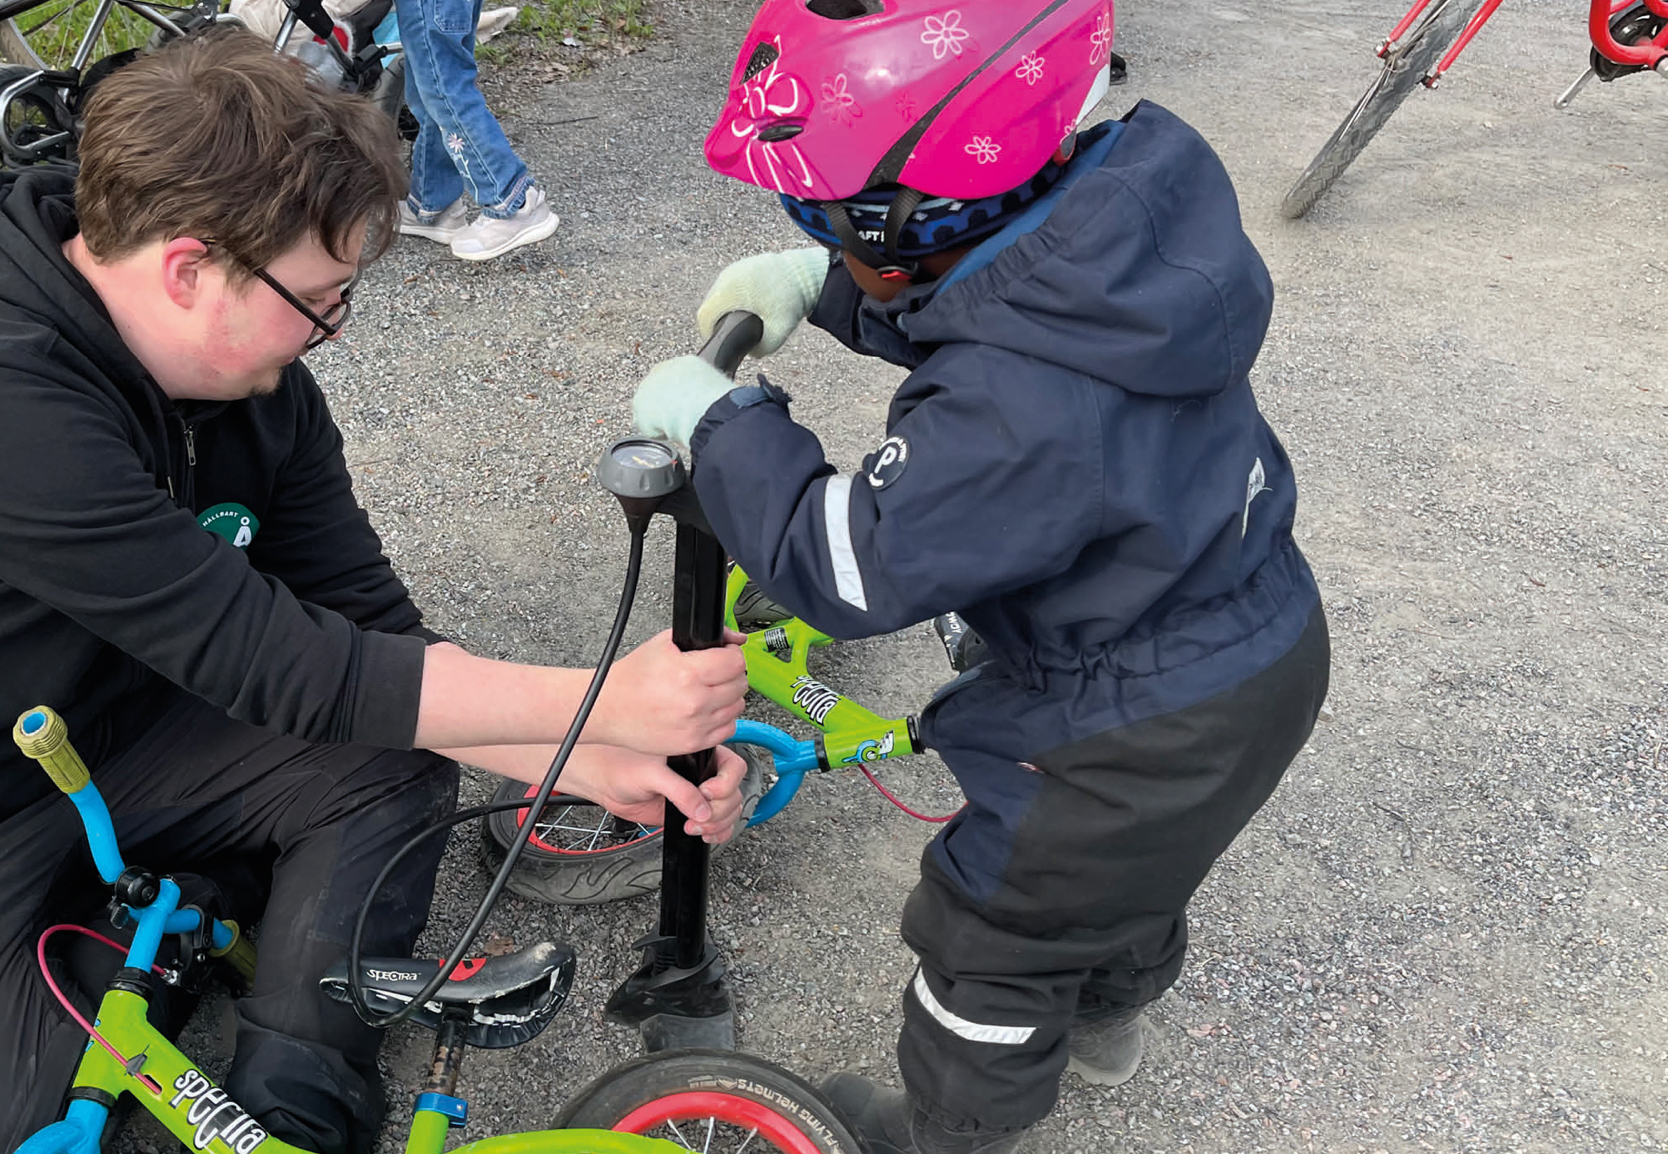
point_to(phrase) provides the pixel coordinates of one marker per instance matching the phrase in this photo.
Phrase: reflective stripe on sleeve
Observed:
(836, 507)
(961, 1027)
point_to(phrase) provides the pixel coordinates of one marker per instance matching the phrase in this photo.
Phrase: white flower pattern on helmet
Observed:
(983, 150)
(1100, 40)
(1030, 68)
(769, 97)
(944, 34)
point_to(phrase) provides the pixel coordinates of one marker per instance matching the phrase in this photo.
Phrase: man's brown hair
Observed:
(220, 138)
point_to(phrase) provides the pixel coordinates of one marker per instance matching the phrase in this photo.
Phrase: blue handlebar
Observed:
(794, 759)
(101, 834)
(41, 735)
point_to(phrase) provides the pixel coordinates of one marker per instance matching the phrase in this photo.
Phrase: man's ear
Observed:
(185, 260)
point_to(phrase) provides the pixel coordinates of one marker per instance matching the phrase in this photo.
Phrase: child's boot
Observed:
(756, 611)
(886, 1123)
(1107, 1052)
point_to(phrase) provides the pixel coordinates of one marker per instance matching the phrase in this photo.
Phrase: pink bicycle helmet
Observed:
(935, 98)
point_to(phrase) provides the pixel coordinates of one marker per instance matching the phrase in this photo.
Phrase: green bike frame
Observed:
(202, 1116)
(776, 667)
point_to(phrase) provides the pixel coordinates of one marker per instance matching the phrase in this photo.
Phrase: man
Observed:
(186, 576)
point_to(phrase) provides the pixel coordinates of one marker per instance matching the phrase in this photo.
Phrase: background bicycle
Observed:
(57, 50)
(1628, 36)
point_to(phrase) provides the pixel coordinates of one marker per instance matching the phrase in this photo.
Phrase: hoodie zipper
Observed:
(187, 497)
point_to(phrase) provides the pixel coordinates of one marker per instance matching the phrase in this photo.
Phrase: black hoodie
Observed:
(118, 568)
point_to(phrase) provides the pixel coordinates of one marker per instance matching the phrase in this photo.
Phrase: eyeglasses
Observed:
(326, 324)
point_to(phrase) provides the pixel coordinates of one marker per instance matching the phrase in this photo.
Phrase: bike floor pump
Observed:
(680, 995)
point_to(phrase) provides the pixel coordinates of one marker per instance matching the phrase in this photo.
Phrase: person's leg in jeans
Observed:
(456, 130)
(201, 788)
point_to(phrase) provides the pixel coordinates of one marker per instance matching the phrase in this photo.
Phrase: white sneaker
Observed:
(489, 236)
(443, 226)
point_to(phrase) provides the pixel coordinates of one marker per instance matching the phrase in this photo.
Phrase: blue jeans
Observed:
(460, 146)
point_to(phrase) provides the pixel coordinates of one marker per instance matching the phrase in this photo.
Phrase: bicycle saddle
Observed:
(509, 998)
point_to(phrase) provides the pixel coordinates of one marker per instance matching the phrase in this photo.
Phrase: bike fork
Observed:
(1393, 43)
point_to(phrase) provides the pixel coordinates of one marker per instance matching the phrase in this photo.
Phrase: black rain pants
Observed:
(273, 824)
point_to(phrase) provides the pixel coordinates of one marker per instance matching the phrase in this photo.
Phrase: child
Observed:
(1075, 464)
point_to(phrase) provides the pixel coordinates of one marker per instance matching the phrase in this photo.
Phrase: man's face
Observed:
(250, 332)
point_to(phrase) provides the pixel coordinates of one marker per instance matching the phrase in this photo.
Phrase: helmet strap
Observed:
(891, 266)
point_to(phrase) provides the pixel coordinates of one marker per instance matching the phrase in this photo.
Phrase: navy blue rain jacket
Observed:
(1076, 463)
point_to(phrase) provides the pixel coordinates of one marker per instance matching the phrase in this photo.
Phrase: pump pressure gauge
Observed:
(638, 467)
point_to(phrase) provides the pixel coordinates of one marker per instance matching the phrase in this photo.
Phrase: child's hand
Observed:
(780, 288)
(661, 700)
(675, 396)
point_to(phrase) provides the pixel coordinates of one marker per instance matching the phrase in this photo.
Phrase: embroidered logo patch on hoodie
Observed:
(231, 521)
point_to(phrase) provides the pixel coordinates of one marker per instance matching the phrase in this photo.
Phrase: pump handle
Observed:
(733, 337)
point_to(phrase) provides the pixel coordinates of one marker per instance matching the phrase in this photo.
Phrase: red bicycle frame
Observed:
(1642, 54)
(1646, 54)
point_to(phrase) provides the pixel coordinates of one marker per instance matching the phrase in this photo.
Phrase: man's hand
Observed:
(674, 397)
(661, 700)
(636, 786)
(780, 288)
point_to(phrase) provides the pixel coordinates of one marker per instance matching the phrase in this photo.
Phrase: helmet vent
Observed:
(763, 57)
(843, 9)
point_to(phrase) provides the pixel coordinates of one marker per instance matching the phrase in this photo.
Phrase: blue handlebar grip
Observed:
(42, 735)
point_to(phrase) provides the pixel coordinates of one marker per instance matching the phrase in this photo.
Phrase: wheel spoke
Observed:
(586, 829)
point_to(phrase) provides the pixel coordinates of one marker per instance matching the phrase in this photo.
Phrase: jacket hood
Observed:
(37, 214)
(1133, 270)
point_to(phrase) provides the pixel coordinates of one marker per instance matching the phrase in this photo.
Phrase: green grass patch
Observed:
(555, 25)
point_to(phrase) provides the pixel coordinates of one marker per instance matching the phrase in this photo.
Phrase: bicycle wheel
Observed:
(579, 853)
(1421, 47)
(712, 1100)
(48, 35)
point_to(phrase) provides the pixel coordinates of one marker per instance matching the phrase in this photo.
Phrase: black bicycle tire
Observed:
(658, 1078)
(1425, 43)
(615, 873)
(14, 49)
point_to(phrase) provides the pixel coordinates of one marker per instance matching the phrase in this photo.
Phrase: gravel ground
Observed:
(1445, 931)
